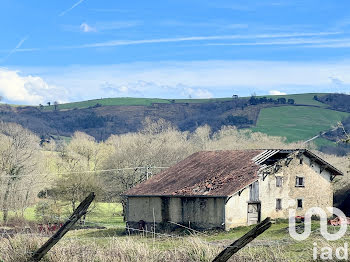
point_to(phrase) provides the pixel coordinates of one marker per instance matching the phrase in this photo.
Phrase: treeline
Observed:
(54, 174)
(103, 121)
(253, 100)
(339, 102)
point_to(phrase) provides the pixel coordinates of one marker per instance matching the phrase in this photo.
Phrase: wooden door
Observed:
(253, 213)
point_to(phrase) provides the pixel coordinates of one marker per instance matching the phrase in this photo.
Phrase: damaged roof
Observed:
(209, 173)
(216, 173)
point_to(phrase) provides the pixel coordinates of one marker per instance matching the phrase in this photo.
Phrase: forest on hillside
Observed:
(39, 173)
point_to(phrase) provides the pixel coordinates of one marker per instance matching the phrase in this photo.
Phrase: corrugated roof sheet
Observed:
(209, 173)
(213, 173)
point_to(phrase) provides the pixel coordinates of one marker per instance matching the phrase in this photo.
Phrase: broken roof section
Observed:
(214, 173)
(210, 173)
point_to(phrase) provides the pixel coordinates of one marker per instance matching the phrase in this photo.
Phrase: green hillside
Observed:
(297, 122)
(305, 99)
(301, 121)
(130, 101)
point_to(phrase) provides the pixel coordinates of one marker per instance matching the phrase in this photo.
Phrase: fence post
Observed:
(77, 214)
(243, 241)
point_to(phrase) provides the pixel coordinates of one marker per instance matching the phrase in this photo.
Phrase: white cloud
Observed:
(147, 89)
(27, 89)
(100, 26)
(86, 28)
(336, 81)
(196, 93)
(276, 93)
(200, 79)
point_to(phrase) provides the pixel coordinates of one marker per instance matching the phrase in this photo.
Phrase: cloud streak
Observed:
(20, 43)
(71, 8)
(198, 38)
(309, 40)
(293, 41)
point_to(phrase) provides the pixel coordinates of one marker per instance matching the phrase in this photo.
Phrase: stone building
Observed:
(226, 189)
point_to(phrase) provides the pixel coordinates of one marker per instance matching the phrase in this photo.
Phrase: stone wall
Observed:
(317, 192)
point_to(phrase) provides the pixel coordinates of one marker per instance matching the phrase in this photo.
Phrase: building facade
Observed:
(226, 189)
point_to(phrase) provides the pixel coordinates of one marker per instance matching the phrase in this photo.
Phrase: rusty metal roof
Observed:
(206, 173)
(214, 173)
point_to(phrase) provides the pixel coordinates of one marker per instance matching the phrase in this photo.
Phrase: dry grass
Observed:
(127, 249)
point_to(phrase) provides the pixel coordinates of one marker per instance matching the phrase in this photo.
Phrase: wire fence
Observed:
(125, 230)
(178, 241)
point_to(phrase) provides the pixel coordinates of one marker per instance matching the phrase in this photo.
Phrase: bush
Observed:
(48, 212)
(237, 120)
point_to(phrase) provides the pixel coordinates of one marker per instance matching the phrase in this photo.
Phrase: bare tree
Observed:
(77, 162)
(18, 159)
(55, 104)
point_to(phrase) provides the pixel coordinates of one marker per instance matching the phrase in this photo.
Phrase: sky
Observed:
(75, 50)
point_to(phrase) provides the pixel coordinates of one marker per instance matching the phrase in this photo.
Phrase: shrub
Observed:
(48, 212)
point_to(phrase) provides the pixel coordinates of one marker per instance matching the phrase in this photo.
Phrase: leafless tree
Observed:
(55, 104)
(76, 163)
(18, 160)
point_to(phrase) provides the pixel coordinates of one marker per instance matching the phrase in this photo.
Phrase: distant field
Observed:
(130, 101)
(297, 122)
(105, 214)
(306, 99)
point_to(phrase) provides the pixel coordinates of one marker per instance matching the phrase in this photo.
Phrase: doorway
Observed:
(254, 213)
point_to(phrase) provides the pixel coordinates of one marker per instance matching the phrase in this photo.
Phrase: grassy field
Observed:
(306, 99)
(114, 244)
(129, 101)
(105, 214)
(274, 243)
(184, 245)
(297, 122)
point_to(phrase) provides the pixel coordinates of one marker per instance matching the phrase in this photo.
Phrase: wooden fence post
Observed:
(77, 214)
(241, 242)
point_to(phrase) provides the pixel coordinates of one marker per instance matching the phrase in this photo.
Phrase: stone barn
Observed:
(226, 189)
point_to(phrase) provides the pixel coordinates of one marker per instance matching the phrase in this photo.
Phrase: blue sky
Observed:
(74, 50)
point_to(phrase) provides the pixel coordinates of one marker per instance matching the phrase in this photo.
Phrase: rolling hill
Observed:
(306, 99)
(296, 117)
(297, 122)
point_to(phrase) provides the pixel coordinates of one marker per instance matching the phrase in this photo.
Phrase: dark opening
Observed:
(165, 209)
(300, 203)
(278, 204)
(299, 182)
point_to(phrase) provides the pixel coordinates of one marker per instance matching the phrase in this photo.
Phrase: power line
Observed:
(90, 171)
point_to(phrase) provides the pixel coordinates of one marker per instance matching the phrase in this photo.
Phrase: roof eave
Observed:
(334, 170)
(193, 196)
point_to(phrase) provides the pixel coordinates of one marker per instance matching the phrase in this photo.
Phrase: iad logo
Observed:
(323, 223)
(326, 253)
